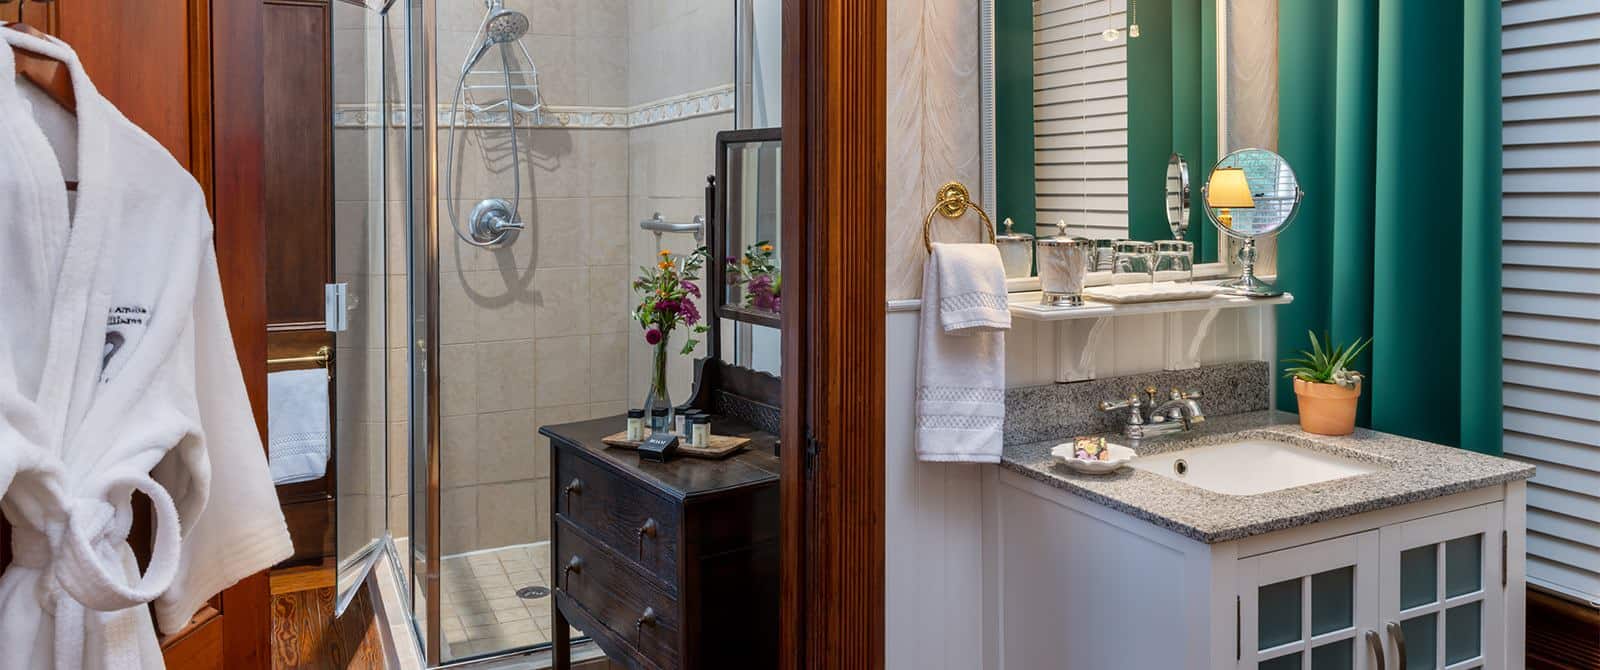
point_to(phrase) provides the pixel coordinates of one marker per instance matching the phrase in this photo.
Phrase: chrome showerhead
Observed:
(502, 27)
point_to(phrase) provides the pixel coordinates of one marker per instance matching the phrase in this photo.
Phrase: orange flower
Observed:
(665, 265)
(766, 247)
(664, 253)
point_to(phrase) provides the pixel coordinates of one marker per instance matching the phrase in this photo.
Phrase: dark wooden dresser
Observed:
(664, 565)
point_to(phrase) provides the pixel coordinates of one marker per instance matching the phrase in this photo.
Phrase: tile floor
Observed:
(479, 608)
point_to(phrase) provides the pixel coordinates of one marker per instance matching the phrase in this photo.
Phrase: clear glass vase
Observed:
(658, 396)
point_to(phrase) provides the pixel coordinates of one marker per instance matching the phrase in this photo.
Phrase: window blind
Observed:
(1080, 111)
(1550, 87)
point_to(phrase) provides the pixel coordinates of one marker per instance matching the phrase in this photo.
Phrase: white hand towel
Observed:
(297, 425)
(972, 288)
(961, 366)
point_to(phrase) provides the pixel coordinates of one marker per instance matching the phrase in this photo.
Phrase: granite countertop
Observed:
(1414, 471)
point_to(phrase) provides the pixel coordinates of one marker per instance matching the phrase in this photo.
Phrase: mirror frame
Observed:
(718, 233)
(1185, 191)
(1299, 197)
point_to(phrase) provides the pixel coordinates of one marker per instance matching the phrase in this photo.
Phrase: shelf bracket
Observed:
(1077, 342)
(1183, 343)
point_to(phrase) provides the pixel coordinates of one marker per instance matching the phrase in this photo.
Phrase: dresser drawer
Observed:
(619, 513)
(635, 611)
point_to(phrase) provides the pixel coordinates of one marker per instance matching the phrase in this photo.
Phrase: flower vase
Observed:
(658, 396)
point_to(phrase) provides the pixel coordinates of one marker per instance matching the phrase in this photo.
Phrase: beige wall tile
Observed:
(564, 366)
(609, 224)
(611, 299)
(602, 70)
(458, 526)
(503, 304)
(559, 228)
(608, 367)
(506, 513)
(607, 154)
(506, 446)
(459, 450)
(604, 18)
(599, 410)
(457, 312)
(505, 375)
(563, 304)
(550, 416)
(458, 379)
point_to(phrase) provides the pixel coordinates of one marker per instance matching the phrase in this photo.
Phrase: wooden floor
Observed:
(305, 634)
(1562, 634)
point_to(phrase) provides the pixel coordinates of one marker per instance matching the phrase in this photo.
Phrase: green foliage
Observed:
(1327, 364)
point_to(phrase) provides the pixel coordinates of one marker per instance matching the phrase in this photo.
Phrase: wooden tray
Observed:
(722, 446)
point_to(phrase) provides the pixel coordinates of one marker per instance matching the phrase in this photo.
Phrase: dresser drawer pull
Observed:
(576, 486)
(647, 530)
(647, 618)
(574, 565)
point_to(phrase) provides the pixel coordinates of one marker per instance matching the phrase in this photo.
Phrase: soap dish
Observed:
(1120, 456)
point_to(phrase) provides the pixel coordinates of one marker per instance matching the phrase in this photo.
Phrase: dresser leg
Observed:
(561, 638)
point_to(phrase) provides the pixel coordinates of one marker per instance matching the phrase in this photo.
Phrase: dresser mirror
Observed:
(1093, 112)
(746, 216)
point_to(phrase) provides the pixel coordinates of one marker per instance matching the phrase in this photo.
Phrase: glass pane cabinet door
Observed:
(1441, 600)
(1309, 607)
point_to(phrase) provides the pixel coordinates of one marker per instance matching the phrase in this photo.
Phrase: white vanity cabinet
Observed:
(1079, 585)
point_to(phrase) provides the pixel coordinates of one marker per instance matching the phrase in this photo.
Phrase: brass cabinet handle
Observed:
(1376, 643)
(1399, 637)
(647, 530)
(574, 565)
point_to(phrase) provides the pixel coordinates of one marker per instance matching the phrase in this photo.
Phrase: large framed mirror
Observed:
(1090, 107)
(748, 299)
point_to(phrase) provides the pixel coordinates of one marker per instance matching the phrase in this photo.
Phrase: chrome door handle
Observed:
(1376, 643)
(1399, 637)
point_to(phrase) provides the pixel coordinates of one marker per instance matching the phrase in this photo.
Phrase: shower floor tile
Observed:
(480, 609)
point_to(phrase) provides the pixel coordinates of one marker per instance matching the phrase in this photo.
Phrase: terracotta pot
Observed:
(1327, 409)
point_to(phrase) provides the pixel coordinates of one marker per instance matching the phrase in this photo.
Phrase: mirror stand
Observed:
(1248, 283)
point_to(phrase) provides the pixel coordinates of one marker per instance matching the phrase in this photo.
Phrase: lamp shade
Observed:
(1229, 188)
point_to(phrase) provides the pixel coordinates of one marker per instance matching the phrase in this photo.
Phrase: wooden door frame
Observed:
(834, 127)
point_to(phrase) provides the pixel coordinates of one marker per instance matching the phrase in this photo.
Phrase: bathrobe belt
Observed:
(80, 552)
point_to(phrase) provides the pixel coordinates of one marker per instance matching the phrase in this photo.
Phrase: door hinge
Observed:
(1504, 535)
(1237, 652)
(813, 449)
(336, 307)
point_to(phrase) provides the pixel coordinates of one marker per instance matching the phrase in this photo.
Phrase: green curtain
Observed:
(1391, 120)
(1013, 113)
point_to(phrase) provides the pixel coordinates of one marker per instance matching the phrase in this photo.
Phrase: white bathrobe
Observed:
(117, 374)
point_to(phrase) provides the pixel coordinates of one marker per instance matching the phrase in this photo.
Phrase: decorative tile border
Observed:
(689, 105)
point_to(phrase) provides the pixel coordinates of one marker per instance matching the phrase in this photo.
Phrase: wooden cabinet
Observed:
(665, 565)
(1425, 593)
(1078, 584)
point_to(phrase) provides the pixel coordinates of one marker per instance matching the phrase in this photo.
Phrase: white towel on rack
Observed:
(961, 352)
(297, 425)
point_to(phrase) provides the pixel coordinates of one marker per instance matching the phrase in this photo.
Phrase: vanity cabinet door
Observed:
(1310, 607)
(1442, 593)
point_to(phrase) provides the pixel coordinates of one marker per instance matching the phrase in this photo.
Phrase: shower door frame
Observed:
(833, 246)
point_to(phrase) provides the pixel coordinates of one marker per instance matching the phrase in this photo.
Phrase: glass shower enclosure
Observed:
(494, 162)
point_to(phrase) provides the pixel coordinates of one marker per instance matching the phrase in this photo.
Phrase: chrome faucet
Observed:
(1149, 417)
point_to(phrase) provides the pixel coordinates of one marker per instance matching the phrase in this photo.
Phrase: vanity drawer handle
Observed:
(1376, 643)
(648, 529)
(647, 618)
(575, 486)
(574, 565)
(1399, 637)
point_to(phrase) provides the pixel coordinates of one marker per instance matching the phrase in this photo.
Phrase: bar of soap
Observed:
(1090, 449)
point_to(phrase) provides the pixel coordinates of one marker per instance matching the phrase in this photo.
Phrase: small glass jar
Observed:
(659, 423)
(681, 422)
(1016, 251)
(1064, 264)
(700, 431)
(1105, 254)
(1174, 261)
(1134, 262)
(636, 430)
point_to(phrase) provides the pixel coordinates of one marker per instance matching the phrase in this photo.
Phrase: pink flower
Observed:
(652, 336)
(667, 306)
(691, 314)
(690, 287)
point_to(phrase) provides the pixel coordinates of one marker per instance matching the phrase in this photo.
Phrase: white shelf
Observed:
(1027, 306)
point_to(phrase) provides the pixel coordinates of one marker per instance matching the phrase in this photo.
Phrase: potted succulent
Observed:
(1325, 385)
(667, 294)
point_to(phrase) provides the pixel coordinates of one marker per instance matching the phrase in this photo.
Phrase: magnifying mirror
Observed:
(1251, 194)
(1178, 195)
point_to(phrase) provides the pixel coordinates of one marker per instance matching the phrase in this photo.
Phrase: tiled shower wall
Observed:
(538, 332)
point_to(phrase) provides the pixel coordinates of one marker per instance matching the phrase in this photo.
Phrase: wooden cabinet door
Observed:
(189, 73)
(1442, 590)
(1311, 607)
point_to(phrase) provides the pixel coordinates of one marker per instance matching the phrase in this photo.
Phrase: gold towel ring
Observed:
(953, 201)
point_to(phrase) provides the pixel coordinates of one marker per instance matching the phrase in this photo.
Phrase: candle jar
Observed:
(1063, 267)
(636, 430)
(700, 431)
(1016, 252)
(1174, 261)
(1134, 262)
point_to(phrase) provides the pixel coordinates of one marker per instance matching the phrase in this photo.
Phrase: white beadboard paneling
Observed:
(1550, 89)
(1080, 107)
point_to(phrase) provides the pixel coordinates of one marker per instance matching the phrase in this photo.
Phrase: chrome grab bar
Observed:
(658, 225)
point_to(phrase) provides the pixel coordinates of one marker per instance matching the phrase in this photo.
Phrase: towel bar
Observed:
(952, 202)
(322, 358)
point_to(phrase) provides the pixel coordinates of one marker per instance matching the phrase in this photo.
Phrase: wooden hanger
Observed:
(50, 75)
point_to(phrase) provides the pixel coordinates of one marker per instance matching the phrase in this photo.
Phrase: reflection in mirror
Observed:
(749, 212)
(1178, 196)
(1089, 113)
(1251, 194)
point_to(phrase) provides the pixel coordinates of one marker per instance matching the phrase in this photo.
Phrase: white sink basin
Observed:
(1251, 466)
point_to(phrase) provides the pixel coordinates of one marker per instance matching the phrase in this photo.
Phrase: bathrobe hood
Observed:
(117, 374)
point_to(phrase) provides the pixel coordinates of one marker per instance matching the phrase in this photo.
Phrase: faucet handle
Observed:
(1114, 405)
(1184, 395)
